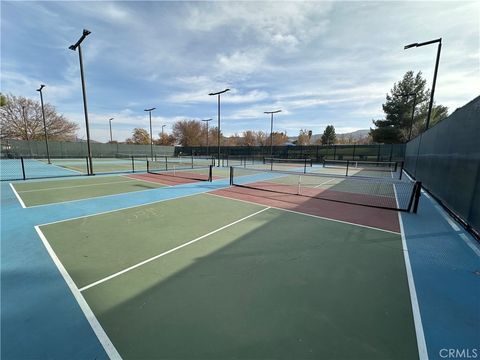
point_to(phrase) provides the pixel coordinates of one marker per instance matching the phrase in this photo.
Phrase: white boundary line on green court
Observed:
(76, 186)
(18, 196)
(169, 251)
(90, 316)
(119, 209)
(306, 214)
(323, 183)
(417, 319)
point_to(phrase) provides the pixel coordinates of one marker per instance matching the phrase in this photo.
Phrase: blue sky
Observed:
(320, 62)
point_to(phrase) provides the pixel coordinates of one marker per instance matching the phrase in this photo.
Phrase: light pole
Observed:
(85, 110)
(162, 129)
(110, 122)
(271, 129)
(218, 112)
(151, 137)
(44, 122)
(439, 41)
(207, 121)
(413, 110)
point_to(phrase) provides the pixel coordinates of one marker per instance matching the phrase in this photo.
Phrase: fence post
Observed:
(391, 152)
(354, 147)
(23, 168)
(133, 164)
(418, 191)
(346, 173)
(401, 169)
(231, 175)
(334, 151)
(88, 166)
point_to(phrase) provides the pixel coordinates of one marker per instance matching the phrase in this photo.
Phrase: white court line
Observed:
(306, 214)
(326, 182)
(115, 210)
(18, 196)
(90, 316)
(75, 186)
(147, 181)
(169, 251)
(447, 217)
(417, 319)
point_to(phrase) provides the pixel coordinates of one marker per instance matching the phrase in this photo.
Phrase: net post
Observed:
(192, 159)
(133, 164)
(401, 170)
(23, 167)
(346, 172)
(148, 167)
(231, 175)
(305, 165)
(166, 163)
(210, 173)
(418, 192)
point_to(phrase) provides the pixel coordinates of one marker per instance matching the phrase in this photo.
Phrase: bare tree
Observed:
(21, 118)
(165, 139)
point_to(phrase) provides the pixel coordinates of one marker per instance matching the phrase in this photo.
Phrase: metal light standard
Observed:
(439, 41)
(218, 112)
(26, 130)
(207, 121)
(271, 129)
(151, 137)
(162, 129)
(110, 122)
(44, 122)
(74, 47)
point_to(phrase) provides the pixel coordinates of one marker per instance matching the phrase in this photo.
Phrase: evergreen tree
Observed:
(329, 136)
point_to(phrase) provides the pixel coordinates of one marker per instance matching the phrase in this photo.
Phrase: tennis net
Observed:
(390, 169)
(288, 164)
(182, 169)
(373, 192)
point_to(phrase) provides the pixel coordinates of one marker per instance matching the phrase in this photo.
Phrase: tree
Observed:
(248, 138)
(261, 138)
(21, 118)
(395, 128)
(165, 139)
(329, 136)
(3, 100)
(189, 132)
(303, 138)
(233, 140)
(279, 138)
(139, 136)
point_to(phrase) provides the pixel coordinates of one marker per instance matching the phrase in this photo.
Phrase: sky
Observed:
(319, 62)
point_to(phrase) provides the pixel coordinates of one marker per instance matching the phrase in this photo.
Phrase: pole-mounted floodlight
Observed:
(439, 41)
(207, 121)
(110, 122)
(218, 112)
(85, 110)
(44, 122)
(151, 137)
(271, 128)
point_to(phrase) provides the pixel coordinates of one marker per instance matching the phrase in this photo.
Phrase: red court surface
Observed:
(361, 215)
(170, 179)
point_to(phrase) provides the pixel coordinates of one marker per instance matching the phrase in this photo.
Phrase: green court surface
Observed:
(249, 282)
(54, 191)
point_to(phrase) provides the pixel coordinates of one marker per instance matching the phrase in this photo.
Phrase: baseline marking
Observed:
(18, 196)
(97, 328)
(169, 251)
